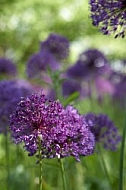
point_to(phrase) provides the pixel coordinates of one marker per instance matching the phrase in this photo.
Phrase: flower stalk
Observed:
(40, 164)
(63, 174)
(121, 165)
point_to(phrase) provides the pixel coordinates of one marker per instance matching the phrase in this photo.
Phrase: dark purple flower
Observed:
(57, 45)
(59, 131)
(91, 63)
(39, 62)
(109, 15)
(70, 86)
(104, 130)
(10, 93)
(7, 67)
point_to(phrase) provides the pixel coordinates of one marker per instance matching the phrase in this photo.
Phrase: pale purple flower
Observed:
(120, 91)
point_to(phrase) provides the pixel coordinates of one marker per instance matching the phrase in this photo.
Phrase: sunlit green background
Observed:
(23, 24)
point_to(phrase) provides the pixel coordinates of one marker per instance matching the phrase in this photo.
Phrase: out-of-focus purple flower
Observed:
(120, 91)
(57, 45)
(60, 131)
(7, 67)
(10, 93)
(104, 130)
(71, 86)
(109, 15)
(91, 63)
(39, 62)
(104, 86)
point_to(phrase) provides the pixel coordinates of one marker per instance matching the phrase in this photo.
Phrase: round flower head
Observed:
(10, 93)
(57, 45)
(39, 62)
(60, 132)
(104, 130)
(109, 15)
(7, 67)
(91, 62)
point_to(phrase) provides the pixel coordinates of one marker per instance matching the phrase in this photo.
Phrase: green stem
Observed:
(40, 165)
(7, 162)
(121, 165)
(104, 166)
(63, 174)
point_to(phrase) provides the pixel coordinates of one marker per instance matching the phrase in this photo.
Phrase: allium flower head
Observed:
(57, 45)
(104, 130)
(39, 62)
(91, 62)
(109, 15)
(62, 132)
(10, 93)
(7, 67)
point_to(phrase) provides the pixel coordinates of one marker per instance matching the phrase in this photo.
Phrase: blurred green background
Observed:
(23, 24)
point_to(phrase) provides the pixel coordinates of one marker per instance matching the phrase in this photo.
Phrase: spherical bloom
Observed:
(45, 124)
(10, 93)
(91, 63)
(7, 67)
(39, 62)
(110, 16)
(104, 130)
(57, 45)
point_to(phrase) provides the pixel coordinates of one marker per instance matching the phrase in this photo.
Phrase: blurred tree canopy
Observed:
(23, 24)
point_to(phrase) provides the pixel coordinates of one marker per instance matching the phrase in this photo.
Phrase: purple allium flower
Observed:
(91, 63)
(10, 93)
(104, 130)
(61, 132)
(7, 67)
(57, 45)
(39, 62)
(109, 15)
(70, 86)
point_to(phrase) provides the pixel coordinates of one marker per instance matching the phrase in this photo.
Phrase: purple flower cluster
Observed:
(104, 130)
(109, 15)
(10, 93)
(60, 131)
(7, 67)
(57, 45)
(90, 63)
(39, 62)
